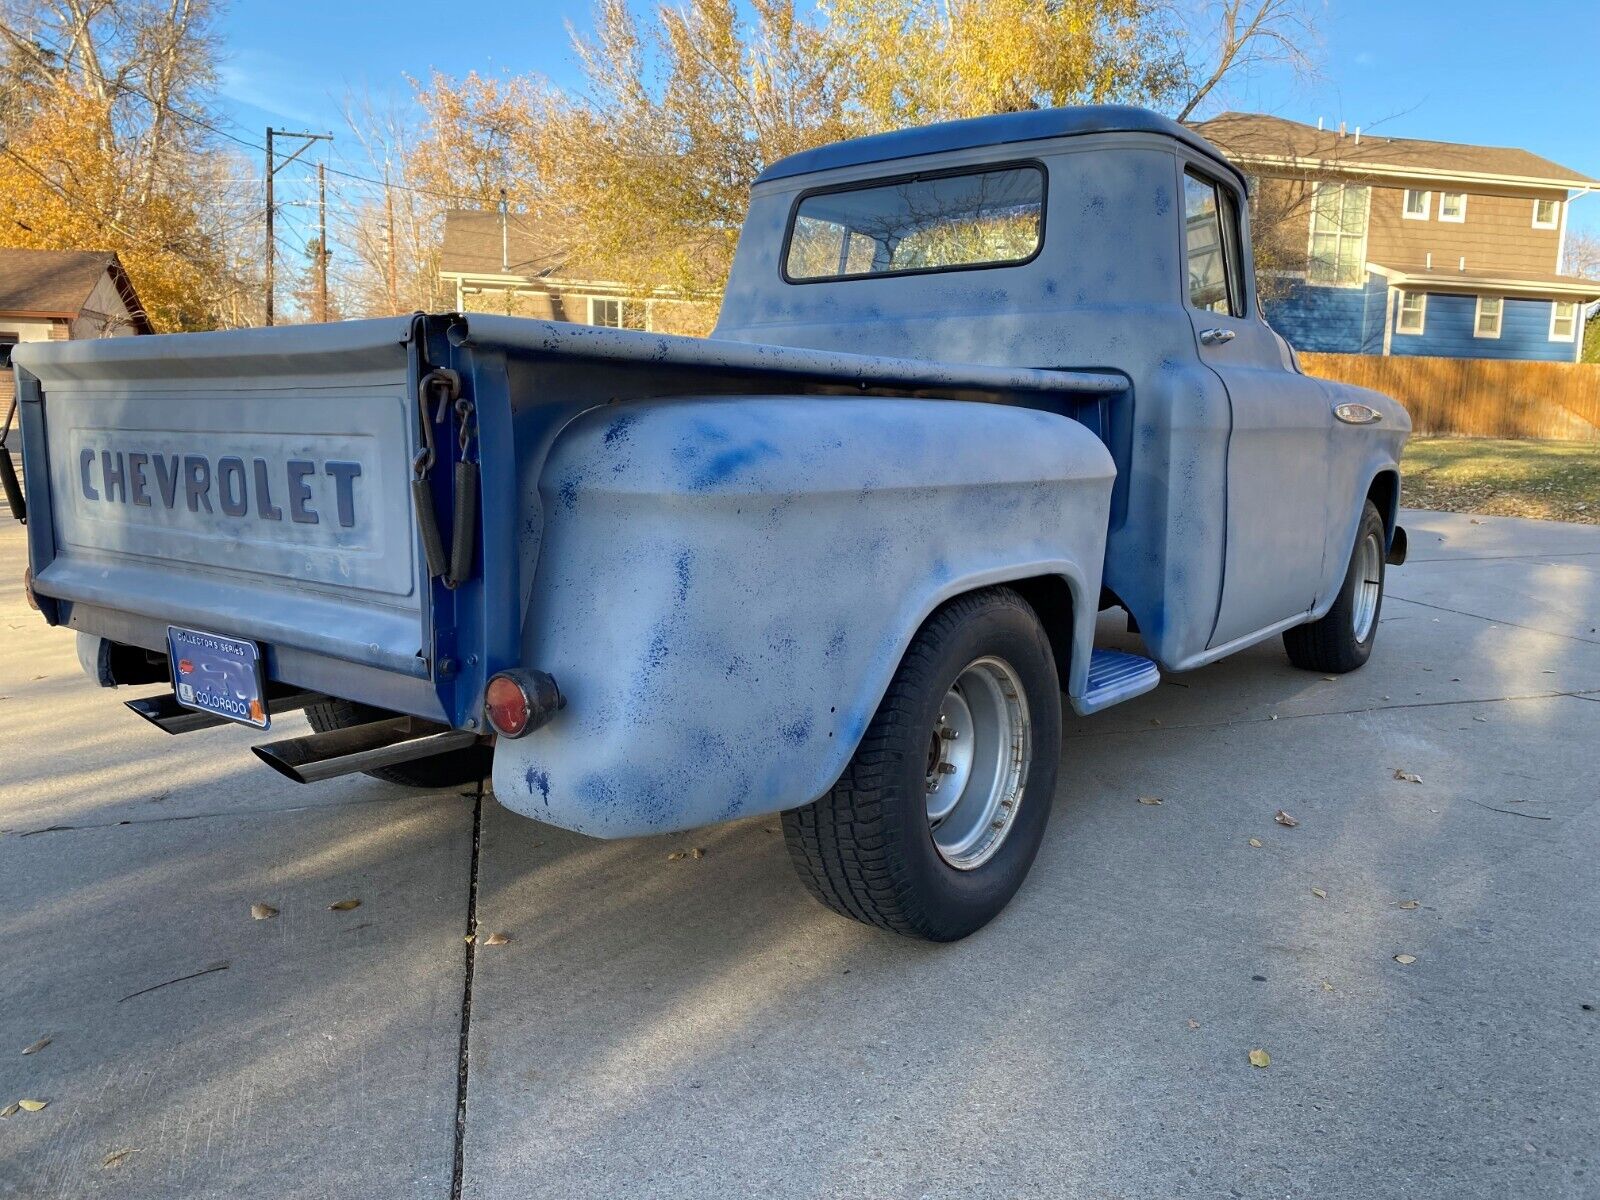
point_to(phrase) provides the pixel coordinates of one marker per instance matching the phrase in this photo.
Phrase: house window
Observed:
(617, 314)
(1211, 241)
(1338, 233)
(1453, 206)
(1563, 320)
(7, 341)
(1413, 312)
(1486, 322)
(1418, 202)
(1546, 214)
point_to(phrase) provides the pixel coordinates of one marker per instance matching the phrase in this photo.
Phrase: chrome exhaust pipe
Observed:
(167, 715)
(385, 743)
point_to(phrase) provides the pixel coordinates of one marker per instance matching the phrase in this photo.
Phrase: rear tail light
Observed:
(518, 702)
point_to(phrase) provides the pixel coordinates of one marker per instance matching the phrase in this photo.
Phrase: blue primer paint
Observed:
(682, 566)
(796, 732)
(540, 780)
(620, 429)
(1163, 201)
(725, 465)
(569, 492)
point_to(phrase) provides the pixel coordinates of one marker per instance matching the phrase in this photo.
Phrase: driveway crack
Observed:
(1495, 620)
(463, 1062)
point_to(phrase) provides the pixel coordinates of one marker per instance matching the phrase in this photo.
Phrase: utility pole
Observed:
(322, 242)
(273, 167)
(393, 276)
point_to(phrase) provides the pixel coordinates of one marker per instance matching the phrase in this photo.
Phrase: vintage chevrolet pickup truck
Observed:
(972, 384)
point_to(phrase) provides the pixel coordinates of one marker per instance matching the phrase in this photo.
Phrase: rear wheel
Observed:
(939, 814)
(1342, 640)
(441, 771)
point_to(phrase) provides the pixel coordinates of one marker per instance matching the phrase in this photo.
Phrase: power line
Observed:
(202, 123)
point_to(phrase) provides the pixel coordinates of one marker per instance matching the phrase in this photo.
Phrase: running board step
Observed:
(386, 743)
(1115, 676)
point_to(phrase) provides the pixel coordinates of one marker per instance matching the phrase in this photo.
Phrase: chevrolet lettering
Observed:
(231, 485)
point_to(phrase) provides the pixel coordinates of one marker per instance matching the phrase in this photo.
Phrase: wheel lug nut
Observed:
(950, 734)
(947, 768)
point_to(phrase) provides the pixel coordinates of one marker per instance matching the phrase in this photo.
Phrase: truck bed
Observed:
(256, 484)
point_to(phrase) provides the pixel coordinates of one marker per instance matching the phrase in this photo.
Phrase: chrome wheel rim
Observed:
(978, 755)
(1369, 585)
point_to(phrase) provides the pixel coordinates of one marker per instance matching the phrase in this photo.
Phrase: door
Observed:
(1277, 449)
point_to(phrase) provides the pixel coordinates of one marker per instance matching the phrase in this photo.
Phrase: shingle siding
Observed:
(1447, 332)
(1332, 320)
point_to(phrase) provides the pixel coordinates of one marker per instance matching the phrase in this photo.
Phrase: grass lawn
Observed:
(1554, 481)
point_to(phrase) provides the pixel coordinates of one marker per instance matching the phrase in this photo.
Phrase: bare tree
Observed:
(1248, 34)
(1583, 255)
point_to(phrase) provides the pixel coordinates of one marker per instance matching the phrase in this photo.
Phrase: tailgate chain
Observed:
(455, 566)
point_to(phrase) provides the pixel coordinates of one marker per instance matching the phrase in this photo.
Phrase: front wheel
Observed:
(1342, 640)
(937, 818)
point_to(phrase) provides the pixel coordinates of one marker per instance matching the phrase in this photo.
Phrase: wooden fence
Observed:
(1479, 397)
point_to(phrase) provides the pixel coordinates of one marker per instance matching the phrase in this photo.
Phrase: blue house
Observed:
(1401, 246)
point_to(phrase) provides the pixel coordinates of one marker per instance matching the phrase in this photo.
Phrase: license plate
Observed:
(219, 675)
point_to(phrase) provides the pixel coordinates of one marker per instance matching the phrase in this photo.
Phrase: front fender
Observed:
(1359, 454)
(727, 585)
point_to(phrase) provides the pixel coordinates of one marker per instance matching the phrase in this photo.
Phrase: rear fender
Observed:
(727, 585)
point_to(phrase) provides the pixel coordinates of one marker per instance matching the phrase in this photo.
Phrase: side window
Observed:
(7, 341)
(1211, 243)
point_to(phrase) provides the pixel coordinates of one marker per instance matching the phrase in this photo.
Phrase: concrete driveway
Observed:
(698, 1027)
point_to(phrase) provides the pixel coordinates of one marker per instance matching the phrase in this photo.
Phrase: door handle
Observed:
(1215, 337)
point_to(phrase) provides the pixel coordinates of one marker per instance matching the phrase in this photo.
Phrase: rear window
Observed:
(950, 221)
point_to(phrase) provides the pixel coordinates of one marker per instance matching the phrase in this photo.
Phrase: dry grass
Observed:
(1553, 481)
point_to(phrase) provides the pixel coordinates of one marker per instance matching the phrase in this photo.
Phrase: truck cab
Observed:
(971, 385)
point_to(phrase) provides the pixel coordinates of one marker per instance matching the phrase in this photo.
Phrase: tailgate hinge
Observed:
(436, 392)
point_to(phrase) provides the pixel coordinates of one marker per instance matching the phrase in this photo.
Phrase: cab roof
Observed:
(997, 130)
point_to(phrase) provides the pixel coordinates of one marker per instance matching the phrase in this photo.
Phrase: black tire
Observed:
(866, 849)
(441, 771)
(1333, 645)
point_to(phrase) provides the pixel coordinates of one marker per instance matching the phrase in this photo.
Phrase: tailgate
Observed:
(250, 483)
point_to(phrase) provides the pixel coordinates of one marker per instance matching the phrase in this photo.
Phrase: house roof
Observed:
(1257, 138)
(996, 130)
(1420, 277)
(57, 283)
(473, 245)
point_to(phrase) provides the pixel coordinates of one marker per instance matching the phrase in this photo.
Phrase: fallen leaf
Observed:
(697, 852)
(1319, 893)
(497, 939)
(1485, 720)
(344, 905)
(676, 855)
(1408, 905)
(116, 1156)
(1283, 818)
(37, 1046)
(1260, 1058)
(1405, 960)
(1256, 843)
(9, 1111)
(262, 912)
(1149, 799)
(1406, 776)
(1330, 679)
(469, 939)
(1193, 1024)
(32, 1105)
(1326, 986)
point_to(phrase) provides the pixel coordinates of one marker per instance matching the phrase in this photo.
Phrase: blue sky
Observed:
(1472, 71)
